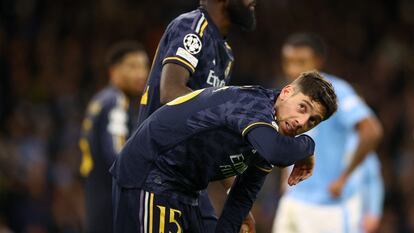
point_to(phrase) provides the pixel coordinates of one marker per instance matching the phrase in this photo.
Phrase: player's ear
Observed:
(286, 92)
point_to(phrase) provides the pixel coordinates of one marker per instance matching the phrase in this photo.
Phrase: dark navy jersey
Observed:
(207, 135)
(199, 137)
(193, 41)
(104, 129)
(104, 132)
(199, 133)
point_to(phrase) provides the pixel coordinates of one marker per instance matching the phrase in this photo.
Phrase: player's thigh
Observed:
(284, 218)
(295, 216)
(162, 213)
(353, 212)
(207, 212)
(321, 219)
(126, 205)
(140, 211)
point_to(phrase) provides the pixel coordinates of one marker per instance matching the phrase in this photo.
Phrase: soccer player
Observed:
(105, 128)
(194, 54)
(208, 135)
(330, 201)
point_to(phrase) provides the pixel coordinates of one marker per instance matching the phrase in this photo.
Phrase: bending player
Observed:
(208, 135)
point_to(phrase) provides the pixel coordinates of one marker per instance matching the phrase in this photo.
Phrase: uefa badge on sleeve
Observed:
(192, 43)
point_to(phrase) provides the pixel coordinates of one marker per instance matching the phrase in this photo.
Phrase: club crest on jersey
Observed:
(192, 43)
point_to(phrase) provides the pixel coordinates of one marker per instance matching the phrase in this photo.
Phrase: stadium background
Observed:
(51, 62)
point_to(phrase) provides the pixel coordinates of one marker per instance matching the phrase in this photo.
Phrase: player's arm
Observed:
(277, 149)
(240, 199)
(248, 224)
(373, 194)
(302, 170)
(284, 151)
(173, 84)
(185, 47)
(370, 133)
(284, 174)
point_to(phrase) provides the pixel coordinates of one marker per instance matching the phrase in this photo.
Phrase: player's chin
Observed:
(244, 18)
(286, 132)
(249, 25)
(282, 131)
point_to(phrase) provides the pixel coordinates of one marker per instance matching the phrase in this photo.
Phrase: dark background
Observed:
(52, 62)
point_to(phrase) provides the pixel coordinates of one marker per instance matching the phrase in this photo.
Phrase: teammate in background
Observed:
(194, 54)
(330, 201)
(208, 135)
(105, 128)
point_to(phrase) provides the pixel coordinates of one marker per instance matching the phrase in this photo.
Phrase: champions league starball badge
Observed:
(192, 43)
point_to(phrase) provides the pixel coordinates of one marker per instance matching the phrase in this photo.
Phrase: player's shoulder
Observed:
(254, 91)
(197, 23)
(246, 89)
(187, 20)
(241, 95)
(252, 97)
(107, 97)
(191, 15)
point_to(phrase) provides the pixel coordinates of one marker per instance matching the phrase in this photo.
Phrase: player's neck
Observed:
(219, 16)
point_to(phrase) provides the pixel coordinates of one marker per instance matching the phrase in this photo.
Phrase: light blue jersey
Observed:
(332, 139)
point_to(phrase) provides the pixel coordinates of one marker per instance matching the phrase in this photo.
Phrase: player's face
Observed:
(133, 72)
(296, 113)
(242, 13)
(296, 60)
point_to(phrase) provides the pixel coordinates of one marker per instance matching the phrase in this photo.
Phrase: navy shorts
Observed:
(139, 211)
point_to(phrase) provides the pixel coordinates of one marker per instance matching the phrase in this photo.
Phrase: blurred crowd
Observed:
(52, 62)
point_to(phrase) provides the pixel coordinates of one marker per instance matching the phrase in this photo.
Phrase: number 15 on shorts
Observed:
(172, 224)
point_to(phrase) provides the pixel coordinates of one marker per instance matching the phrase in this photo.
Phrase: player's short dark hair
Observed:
(118, 51)
(314, 85)
(312, 41)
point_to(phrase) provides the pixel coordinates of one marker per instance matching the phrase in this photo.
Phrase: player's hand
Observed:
(248, 225)
(370, 223)
(336, 187)
(302, 170)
